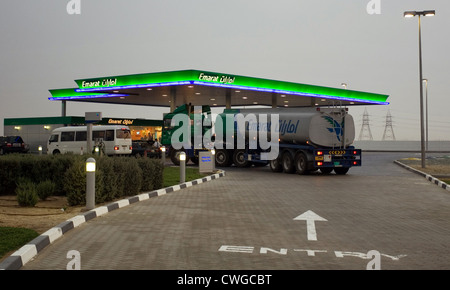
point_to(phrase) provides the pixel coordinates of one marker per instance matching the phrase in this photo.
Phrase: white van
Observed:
(116, 139)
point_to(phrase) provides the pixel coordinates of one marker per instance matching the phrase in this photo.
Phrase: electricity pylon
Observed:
(365, 133)
(388, 129)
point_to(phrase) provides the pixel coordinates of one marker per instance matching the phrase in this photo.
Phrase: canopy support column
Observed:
(63, 109)
(173, 98)
(228, 98)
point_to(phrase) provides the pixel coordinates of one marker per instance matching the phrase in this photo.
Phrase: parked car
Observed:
(142, 148)
(13, 144)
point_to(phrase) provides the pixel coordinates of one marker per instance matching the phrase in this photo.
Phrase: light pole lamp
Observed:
(182, 167)
(409, 14)
(90, 183)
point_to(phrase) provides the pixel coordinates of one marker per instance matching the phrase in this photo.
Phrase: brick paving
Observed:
(245, 220)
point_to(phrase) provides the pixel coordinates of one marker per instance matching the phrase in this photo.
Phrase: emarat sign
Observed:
(113, 82)
(125, 122)
(224, 79)
(99, 83)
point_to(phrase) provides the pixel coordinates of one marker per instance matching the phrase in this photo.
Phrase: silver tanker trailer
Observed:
(303, 139)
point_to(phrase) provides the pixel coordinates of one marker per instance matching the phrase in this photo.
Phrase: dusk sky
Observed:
(318, 42)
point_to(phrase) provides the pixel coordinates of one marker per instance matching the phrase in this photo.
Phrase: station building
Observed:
(36, 131)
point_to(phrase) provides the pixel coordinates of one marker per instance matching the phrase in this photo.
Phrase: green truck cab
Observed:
(198, 128)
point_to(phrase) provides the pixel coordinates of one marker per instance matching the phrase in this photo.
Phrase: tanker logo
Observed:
(336, 127)
(288, 127)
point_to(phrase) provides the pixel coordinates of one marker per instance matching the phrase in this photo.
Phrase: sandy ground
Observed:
(438, 167)
(45, 215)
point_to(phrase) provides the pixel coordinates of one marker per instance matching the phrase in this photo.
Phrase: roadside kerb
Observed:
(27, 252)
(427, 176)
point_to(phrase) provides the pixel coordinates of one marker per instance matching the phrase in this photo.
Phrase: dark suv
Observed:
(12, 144)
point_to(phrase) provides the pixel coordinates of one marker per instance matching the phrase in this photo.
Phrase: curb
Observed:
(27, 252)
(427, 176)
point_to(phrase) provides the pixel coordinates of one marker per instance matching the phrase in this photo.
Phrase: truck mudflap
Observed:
(332, 158)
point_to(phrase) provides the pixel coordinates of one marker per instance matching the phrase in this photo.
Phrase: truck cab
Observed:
(169, 128)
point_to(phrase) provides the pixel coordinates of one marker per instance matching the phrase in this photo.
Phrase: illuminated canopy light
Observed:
(71, 94)
(92, 88)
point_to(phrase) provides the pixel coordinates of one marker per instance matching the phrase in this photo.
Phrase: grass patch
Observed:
(13, 238)
(172, 175)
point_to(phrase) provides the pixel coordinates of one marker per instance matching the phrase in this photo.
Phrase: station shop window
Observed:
(141, 133)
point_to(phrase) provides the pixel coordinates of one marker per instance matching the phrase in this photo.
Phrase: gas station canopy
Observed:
(174, 88)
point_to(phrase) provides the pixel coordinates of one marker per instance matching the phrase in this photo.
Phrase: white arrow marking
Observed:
(310, 217)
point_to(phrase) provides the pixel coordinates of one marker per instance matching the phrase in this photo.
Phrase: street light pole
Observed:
(426, 113)
(422, 133)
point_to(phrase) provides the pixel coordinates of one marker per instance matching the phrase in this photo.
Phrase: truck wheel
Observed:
(341, 170)
(223, 158)
(287, 162)
(301, 163)
(239, 159)
(275, 165)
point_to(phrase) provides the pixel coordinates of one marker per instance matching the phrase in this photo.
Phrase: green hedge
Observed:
(115, 176)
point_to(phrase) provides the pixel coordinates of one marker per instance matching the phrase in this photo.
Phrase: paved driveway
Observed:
(255, 219)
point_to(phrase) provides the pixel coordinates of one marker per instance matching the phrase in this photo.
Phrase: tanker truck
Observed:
(303, 139)
(309, 139)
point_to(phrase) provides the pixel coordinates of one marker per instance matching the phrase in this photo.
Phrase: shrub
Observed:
(75, 184)
(26, 193)
(152, 174)
(58, 166)
(45, 189)
(108, 179)
(65, 175)
(9, 170)
(129, 176)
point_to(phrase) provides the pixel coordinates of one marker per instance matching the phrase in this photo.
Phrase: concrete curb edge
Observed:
(427, 176)
(27, 252)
